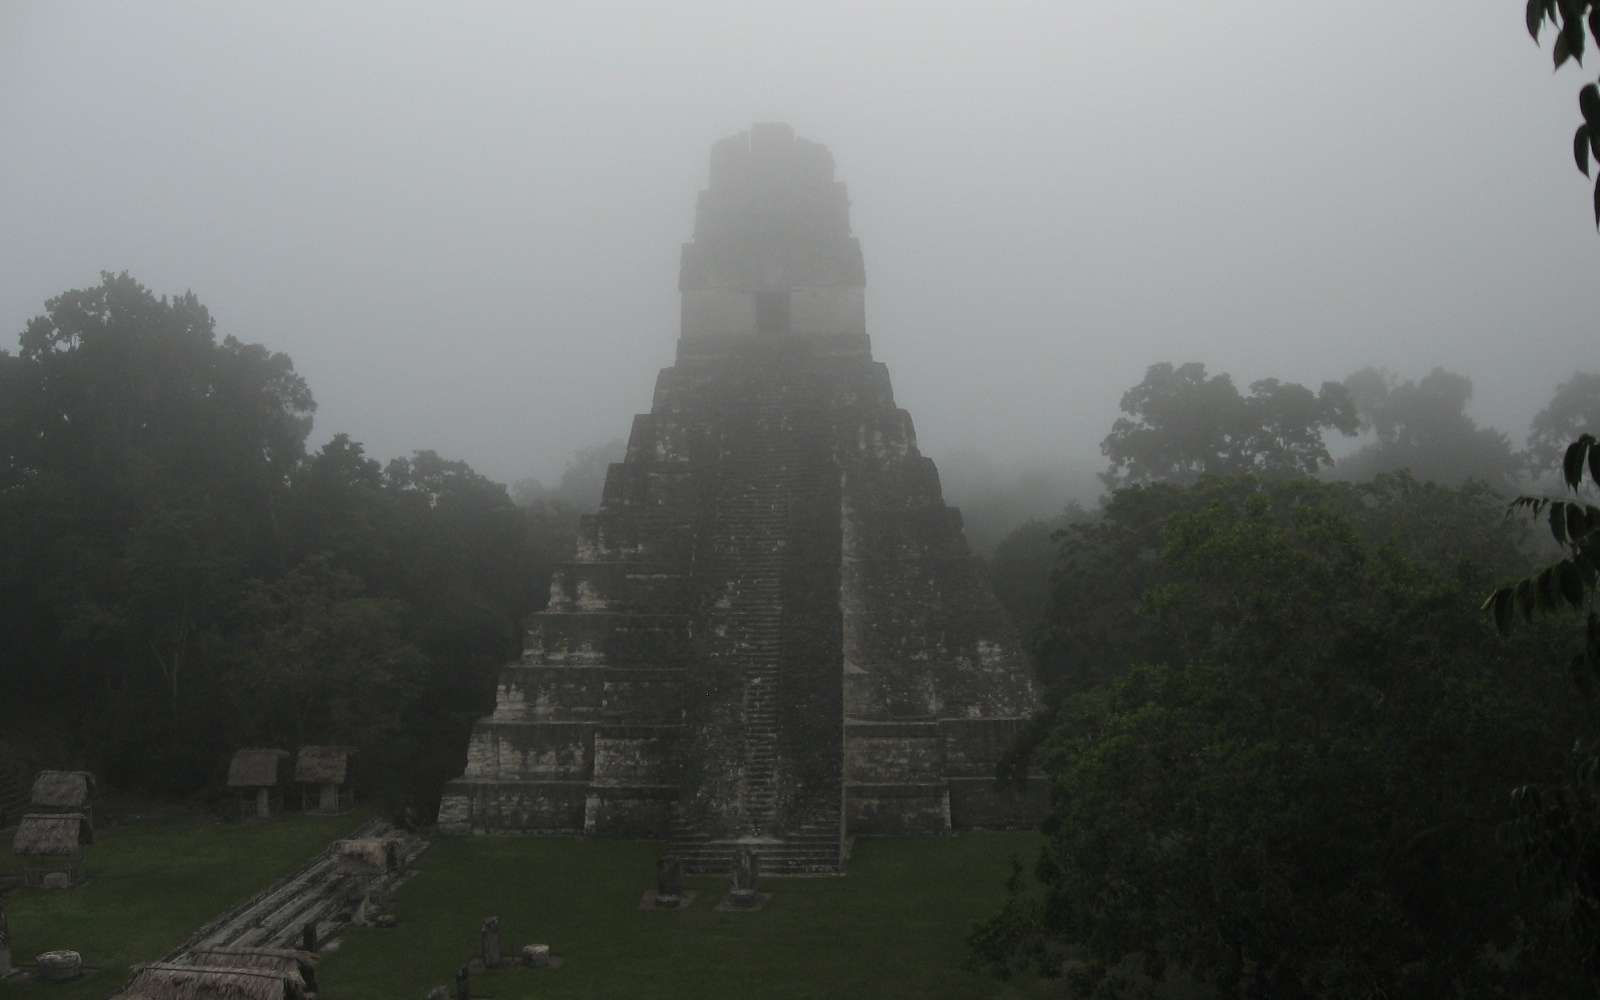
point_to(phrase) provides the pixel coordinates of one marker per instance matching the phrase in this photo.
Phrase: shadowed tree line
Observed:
(181, 577)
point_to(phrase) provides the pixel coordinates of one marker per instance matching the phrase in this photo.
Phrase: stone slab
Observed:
(727, 905)
(648, 901)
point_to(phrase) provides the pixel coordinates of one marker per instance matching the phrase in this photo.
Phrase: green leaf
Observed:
(1525, 599)
(1572, 463)
(1597, 204)
(1580, 148)
(1545, 595)
(1594, 23)
(1558, 523)
(1577, 669)
(1594, 462)
(1589, 102)
(1533, 505)
(1502, 610)
(1534, 17)
(1588, 563)
(1577, 522)
(1561, 51)
(1572, 584)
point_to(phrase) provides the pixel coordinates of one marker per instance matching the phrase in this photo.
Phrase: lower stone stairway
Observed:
(815, 847)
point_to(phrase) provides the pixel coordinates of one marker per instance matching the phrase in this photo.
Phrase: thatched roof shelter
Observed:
(285, 961)
(164, 981)
(52, 835)
(256, 768)
(323, 765)
(62, 789)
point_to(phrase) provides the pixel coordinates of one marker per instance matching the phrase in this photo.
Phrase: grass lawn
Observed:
(895, 927)
(152, 884)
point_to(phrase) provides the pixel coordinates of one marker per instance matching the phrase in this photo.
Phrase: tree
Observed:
(1182, 425)
(144, 466)
(1023, 563)
(1558, 823)
(179, 576)
(1423, 426)
(584, 478)
(1573, 409)
(322, 661)
(1287, 778)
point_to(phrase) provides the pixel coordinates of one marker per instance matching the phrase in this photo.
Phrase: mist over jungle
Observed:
(463, 223)
(534, 404)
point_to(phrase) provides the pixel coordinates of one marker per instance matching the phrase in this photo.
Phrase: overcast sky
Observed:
(463, 221)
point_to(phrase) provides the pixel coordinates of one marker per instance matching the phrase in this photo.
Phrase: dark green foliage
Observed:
(1182, 425)
(1557, 826)
(1569, 584)
(180, 578)
(1022, 564)
(1281, 744)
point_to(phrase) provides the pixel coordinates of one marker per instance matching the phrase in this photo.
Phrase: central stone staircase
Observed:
(762, 489)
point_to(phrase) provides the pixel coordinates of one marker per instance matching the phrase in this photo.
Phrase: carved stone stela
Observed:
(772, 631)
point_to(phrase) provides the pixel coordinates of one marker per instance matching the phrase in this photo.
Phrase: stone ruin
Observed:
(772, 631)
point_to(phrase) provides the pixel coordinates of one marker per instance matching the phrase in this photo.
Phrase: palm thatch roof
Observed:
(256, 768)
(323, 765)
(286, 961)
(164, 981)
(52, 835)
(62, 789)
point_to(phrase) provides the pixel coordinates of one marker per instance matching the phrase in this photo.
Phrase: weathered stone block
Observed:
(58, 966)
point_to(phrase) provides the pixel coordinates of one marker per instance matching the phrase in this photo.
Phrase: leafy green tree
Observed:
(584, 478)
(1182, 424)
(1573, 409)
(321, 661)
(1557, 829)
(144, 463)
(1288, 775)
(1422, 426)
(1023, 563)
(179, 576)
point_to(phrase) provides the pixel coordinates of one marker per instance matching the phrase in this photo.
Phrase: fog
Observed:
(463, 224)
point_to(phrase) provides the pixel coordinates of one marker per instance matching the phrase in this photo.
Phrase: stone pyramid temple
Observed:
(772, 631)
